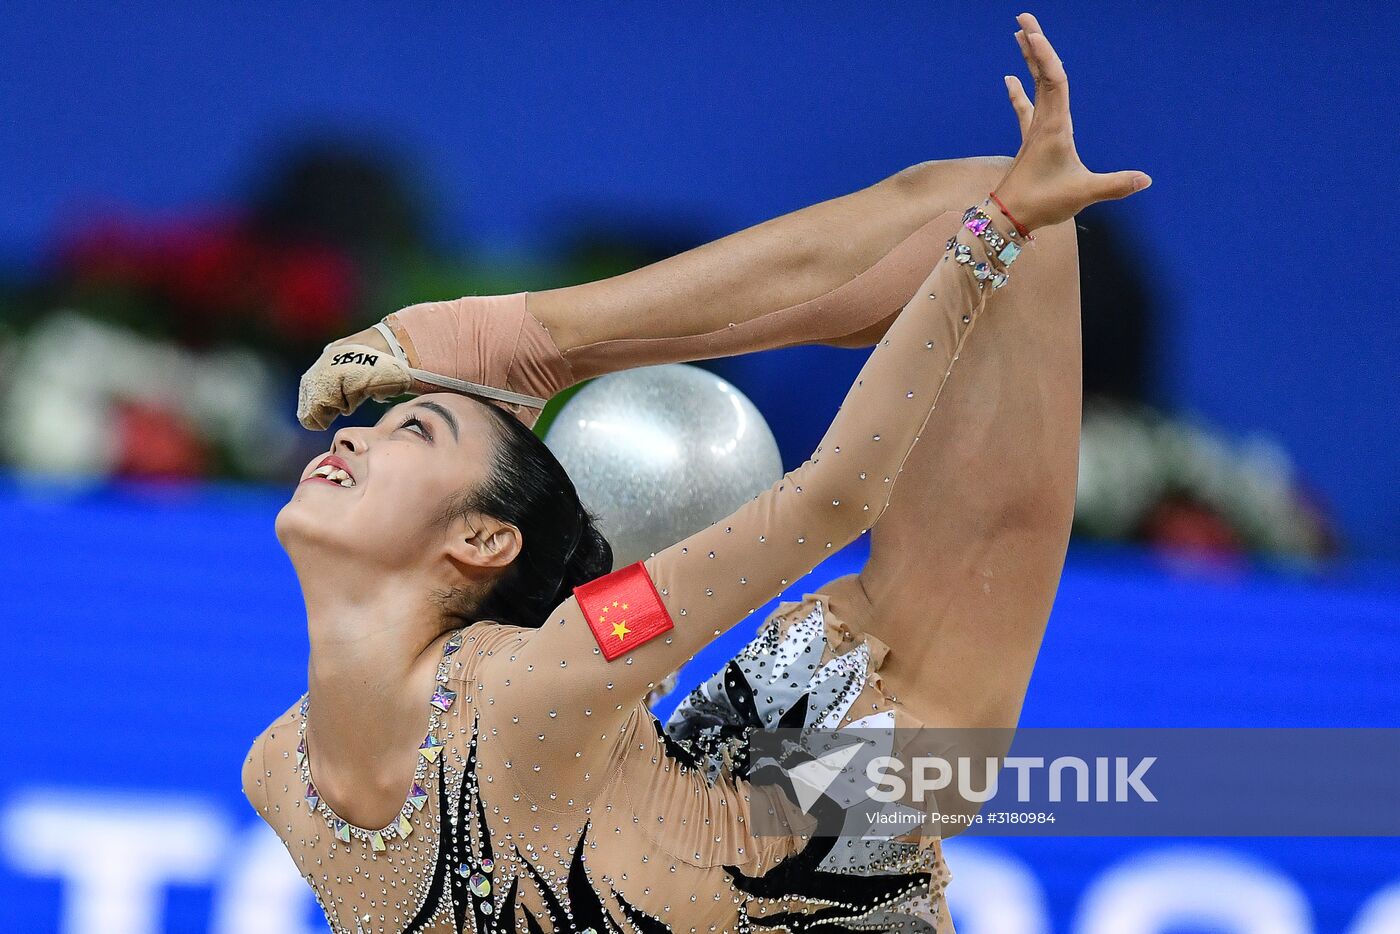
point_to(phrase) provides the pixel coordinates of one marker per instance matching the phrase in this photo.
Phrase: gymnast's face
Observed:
(379, 496)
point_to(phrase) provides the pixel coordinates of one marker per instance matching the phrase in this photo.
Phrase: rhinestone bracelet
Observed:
(1004, 249)
(962, 253)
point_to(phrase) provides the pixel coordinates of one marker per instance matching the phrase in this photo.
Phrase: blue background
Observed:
(1269, 130)
(152, 632)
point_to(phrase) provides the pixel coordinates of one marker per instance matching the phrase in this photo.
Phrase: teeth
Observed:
(334, 474)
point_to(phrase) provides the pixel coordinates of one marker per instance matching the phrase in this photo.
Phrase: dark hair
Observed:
(562, 547)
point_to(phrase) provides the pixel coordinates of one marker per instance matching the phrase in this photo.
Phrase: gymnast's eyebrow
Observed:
(445, 415)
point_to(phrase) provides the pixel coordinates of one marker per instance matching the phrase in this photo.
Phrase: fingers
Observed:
(1052, 84)
(309, 406)
(318, 405)
(1025, 110)
(1028, 22)
(1031, 64)
(318, 419)
(344, 377)
(319, 416)
(1048, 72)
(1047, 60)
(1114, 186)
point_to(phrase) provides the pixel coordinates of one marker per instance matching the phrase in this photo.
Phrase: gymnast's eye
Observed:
(418, 426)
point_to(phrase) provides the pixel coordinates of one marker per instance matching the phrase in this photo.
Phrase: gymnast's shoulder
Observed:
(278, 741)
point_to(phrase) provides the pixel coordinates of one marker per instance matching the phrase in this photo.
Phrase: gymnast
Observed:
(474, 750)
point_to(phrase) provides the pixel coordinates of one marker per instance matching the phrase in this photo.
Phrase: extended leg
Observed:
(965, 563)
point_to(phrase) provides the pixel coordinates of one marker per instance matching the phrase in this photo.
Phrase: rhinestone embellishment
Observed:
(443, 698)
(401, 826)
(975, 221)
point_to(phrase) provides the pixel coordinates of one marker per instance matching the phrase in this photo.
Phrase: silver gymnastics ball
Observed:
(659, 452)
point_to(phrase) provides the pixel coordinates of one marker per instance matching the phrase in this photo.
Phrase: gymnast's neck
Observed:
(375, 640)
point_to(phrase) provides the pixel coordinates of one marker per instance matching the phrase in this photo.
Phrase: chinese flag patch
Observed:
(623, 609)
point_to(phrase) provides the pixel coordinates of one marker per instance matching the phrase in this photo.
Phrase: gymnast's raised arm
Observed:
(833, 273)
(713, 578)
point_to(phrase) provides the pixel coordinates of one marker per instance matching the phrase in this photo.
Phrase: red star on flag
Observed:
(623, 609)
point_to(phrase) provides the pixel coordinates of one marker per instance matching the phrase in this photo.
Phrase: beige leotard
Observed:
(546, 797)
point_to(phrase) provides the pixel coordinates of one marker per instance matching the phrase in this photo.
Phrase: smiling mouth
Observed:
(332, 474)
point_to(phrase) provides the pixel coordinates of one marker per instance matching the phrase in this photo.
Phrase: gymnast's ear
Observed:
(481, 541)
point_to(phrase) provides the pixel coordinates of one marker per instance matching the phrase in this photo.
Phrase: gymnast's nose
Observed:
(350, 440)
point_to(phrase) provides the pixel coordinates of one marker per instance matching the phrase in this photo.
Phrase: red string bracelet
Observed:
(1020, 227)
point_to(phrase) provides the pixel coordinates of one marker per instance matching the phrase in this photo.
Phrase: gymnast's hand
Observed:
(1047, 183)
(348, 372)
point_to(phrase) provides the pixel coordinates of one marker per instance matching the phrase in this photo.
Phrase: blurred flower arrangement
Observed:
(155, 350)
(1158, 478)
(1180, 487)
(171, 349)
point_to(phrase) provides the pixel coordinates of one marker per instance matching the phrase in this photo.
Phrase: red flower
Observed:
(156, 442)
(109, 250)
(312, 290)
(1183, 525)
(215, 268)
(209, 266)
